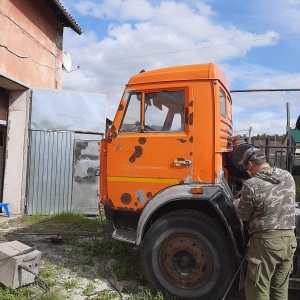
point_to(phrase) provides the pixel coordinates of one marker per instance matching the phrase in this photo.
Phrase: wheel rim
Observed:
(185, 261)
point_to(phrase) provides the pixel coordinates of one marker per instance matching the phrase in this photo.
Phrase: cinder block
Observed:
(13, 255)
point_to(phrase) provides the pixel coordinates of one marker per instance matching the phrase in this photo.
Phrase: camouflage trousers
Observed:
(270, 260)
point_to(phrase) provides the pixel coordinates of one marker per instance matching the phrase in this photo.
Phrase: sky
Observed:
(256, 44)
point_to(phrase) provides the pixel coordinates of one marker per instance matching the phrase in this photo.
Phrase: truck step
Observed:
(124, 235)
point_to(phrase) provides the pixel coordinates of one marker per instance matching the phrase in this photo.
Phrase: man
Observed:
(268, 204)
(298, 123)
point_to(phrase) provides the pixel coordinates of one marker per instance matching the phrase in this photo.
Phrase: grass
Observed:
(93, 255)
(19, 294)
(88, 255)
(143, 294)
(88, 289)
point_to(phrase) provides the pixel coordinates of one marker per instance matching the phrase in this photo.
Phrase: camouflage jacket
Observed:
(268, 201)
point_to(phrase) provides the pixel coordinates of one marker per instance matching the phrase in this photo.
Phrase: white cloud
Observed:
(115, 9)
(165, 33)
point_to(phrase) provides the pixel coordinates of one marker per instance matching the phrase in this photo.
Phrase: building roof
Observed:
(66, 19)
(295, 133)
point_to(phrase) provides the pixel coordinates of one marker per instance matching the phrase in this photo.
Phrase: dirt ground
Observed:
(65, 266)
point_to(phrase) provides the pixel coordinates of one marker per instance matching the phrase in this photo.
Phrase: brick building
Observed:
(31, 47)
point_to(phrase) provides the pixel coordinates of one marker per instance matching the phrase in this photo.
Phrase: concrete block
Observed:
(13, 255)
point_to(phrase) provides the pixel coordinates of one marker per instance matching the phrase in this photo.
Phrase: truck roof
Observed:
(179, 73)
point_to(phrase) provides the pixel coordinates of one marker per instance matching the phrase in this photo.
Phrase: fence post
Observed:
(267, 149)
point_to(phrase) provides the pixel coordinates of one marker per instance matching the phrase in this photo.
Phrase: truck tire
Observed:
(187, 254)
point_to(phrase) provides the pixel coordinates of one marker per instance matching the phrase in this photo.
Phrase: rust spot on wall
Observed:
(110, 203)
(191, 153)
(138, 152)
(136, 204)
(142, 140)
(181, 141)
(131, 159)
(186, 115)
(149, 195)
(191, 140)
(126, 198)
(191, 119)
(191, 103)
(112, 133)
(121, 107)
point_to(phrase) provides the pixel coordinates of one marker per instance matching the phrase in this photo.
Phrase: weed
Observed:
(71, 284)
(88, 289)
(48, 272)
(120, 271)
(18, 294)
(107, 295)
(128, 289)
(88, 261)
(54, 295)
(31, 219)
(143, 294)
(107, 249)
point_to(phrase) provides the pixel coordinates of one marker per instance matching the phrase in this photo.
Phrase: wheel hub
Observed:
(185, 261)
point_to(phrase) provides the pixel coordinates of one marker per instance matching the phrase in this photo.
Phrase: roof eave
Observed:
(66, 19)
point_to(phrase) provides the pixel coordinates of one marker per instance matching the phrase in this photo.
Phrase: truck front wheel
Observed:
(186, 253)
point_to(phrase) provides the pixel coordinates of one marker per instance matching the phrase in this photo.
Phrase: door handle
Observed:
(182, 161)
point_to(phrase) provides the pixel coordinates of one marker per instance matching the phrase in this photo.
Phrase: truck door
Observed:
(150, 147)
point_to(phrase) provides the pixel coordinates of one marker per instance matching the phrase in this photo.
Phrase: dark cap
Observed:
(253, 154)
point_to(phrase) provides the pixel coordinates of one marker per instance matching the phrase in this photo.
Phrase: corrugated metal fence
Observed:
(49, 178)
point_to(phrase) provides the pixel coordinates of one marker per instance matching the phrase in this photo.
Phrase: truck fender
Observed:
(217, 199)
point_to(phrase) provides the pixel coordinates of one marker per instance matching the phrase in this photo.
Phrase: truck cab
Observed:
(172, 126)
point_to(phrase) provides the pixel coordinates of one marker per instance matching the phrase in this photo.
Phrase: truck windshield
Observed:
(163, 111)
(131, 120)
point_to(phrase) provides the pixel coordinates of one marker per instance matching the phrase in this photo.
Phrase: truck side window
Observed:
(222, 103)
(229, 108)
(164, 111)
(131, 121)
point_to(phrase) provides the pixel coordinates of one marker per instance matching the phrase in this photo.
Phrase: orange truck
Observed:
(168, 178)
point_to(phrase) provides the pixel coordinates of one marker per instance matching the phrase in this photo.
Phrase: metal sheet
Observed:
(85, 198)
(49, 178)
(66, 110)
